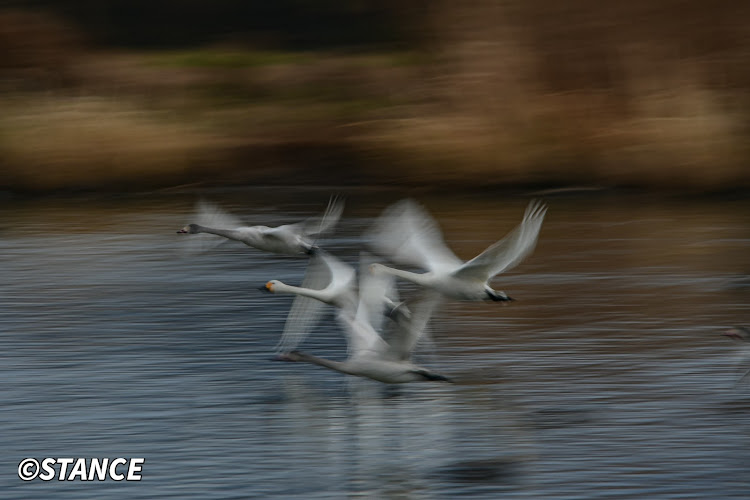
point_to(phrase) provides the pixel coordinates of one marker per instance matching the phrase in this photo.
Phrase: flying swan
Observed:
(408, 235)
(330, 281)
(372, 356)
(289, 239)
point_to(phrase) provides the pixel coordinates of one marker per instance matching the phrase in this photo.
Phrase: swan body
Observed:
(448, 284)
(329, 281)
(372, 367)
(289, 239)
(370, 354)
(409, 235)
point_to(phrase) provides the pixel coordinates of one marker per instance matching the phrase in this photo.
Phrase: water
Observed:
(607, 378)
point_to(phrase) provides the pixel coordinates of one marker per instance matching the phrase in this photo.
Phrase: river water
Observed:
(607, 378)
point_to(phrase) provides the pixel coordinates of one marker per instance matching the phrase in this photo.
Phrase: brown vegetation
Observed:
(498, 93)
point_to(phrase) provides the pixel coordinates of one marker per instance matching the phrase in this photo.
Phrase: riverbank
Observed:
(479, 107)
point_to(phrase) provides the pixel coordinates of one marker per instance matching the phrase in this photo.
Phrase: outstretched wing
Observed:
(305, 311)
(322, 224)
(377, 292)
(361, 336)
(407, 334)
(210, 215)
(408, 235)
(509, 251)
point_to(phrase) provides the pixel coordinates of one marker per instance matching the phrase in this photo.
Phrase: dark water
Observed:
(608, 378)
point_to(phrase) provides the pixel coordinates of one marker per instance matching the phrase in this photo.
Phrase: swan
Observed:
(290, 239)
(327, 280)
(742, 335)
(409, 235)
(372, 356)
(739, 333)
(330, 281)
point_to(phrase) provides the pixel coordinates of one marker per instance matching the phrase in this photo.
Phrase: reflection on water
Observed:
(606, 379)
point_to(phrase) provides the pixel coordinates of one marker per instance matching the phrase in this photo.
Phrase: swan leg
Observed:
(392, 391)
(742, 378)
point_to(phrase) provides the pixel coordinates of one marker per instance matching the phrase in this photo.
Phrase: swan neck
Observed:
(417, 278)
(327, 363)
(226, 233)
(306, 292)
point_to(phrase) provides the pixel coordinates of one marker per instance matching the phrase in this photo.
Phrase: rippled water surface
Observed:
(607, 378)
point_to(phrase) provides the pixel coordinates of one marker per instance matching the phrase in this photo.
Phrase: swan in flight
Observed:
(372, 356)
(330, 281)
(327, 281)
(410, 236)
(741, 335)
(290, 239)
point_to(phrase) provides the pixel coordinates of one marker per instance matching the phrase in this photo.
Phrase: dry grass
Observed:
(542, 92)
(501, 93)
(53, 143)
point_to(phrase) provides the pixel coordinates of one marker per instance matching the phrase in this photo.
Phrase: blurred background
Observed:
(138, 94)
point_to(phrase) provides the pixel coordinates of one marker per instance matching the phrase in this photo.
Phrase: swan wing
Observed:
(279, 235)
(322, 224)
(407, 234)
(340, 288)
(376, 293)
(280, 239)
(210, 215)
(407, 334)
(361, 336)
(509, 251)
(325, 273)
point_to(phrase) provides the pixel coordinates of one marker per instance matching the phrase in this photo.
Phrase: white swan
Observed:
(330, 281)
(371, 356)
(327, 281)
(741, 335)
(409, 235)
(290, 239)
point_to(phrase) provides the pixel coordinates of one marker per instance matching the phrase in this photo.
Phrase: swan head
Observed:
(292, 356)
(190, 229)
(376, 269)
(269, 287)
(738, 333)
